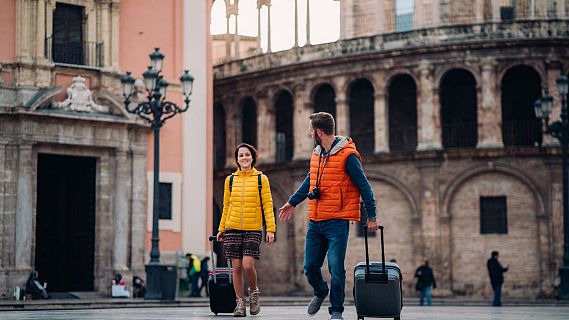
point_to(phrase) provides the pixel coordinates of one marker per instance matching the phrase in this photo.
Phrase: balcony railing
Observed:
(522, 133)
(83, 53)
(460, 135)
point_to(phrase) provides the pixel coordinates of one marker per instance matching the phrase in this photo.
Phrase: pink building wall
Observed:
(144, 26)
(7, 36)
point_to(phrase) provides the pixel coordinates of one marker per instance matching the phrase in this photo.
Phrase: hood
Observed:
(344, 141)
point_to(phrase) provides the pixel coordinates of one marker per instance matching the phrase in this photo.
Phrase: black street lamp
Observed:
(156, 111)
(560, 130)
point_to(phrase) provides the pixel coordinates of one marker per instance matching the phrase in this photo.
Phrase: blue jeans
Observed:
(327, 237)
(425, 293)
(497, 295)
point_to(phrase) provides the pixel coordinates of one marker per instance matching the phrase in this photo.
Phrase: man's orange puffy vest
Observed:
(339, 196)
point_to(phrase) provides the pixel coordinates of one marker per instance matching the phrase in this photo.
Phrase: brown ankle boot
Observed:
(240, 310)
(254, 304)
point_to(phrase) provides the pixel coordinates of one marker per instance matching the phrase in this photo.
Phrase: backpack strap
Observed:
(260, 186)
(231, 183)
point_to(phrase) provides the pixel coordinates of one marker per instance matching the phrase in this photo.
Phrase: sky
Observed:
(324, 21)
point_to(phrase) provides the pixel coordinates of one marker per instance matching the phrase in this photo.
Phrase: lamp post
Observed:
(560, 130)
(156, 110)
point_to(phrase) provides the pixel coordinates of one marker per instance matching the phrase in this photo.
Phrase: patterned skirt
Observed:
(239, 243)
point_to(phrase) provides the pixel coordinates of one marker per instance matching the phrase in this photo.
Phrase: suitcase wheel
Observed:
(362, 318)
(397, 318)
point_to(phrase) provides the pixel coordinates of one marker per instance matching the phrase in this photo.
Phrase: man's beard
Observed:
(318, 141)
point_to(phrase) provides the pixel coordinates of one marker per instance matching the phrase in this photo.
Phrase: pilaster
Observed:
(428, 111)
(489, 112)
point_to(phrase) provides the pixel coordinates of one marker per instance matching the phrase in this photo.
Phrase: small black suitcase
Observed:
(377, 287)
(222, 297)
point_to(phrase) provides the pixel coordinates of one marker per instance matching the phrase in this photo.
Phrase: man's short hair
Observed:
(494, 254)
(323, 121)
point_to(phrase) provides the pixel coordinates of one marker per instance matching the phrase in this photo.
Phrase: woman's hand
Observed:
(270, 237)
(220, 236)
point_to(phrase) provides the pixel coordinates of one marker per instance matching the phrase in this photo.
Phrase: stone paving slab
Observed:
(294, 312)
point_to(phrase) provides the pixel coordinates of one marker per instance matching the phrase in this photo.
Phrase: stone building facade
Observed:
(75, 166)
(443, 115)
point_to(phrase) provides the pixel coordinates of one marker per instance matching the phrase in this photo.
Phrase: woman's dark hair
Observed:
(251, 149)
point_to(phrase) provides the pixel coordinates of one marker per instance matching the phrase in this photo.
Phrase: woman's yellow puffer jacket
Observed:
(241, 206)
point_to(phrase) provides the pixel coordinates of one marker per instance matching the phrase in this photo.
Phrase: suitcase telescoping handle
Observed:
(370, 277)
(213, 239)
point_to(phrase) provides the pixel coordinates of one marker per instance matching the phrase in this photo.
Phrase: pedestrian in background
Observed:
(246, 199)
(425, 282)
(496, 273)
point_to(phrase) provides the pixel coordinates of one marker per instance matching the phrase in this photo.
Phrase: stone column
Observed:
(269, 27)
(429, 206)
(381, 123)
(8, 199)
(237, 53)
(24, 208)
(342, 108)
(553, 72)
(138, 215)
(561, 5)
(258, 26)
(308, 22)
(40, 31)
(303, 108)
(115, 35)
(120, 211)
(26, 21)
(496, 11)
(266, 128)
(295, 23)
(428, 111)
(105, 33)
(489, 110)
(479, 10)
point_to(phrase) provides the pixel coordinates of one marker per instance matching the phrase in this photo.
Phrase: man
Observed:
(333, 186)
(496, 272)
(425, 282)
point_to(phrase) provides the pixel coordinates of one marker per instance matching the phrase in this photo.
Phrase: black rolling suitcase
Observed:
(377, 287)
(220, 284)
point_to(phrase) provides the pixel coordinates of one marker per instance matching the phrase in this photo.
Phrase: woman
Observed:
(246, 198)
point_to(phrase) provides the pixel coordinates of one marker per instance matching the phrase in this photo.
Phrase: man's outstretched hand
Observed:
(285, 212)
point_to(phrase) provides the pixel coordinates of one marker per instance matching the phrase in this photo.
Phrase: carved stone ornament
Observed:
(79, 98)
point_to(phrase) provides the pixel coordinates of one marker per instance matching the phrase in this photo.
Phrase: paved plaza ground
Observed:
(294, 312)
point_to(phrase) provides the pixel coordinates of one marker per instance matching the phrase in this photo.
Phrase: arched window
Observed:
(284, 143)
(402, 104)
(249, 121)
(324, 99)
(458, 109)
(219, 140)
(521, 87)
(361, 116)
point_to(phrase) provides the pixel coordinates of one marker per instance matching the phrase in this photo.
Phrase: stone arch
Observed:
(492, 167)
(283, 106)
(441, 72)
(397, 73)
(536, 66)
(361, 100)
(520, 87)
(399, 185)
(458, 98)
(467, 249)
(348, 85)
